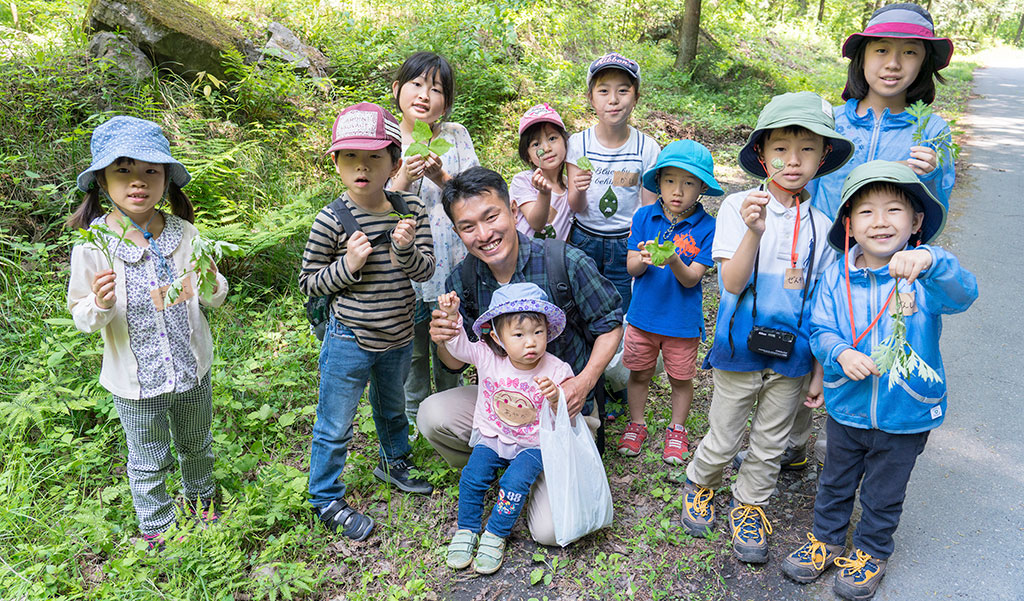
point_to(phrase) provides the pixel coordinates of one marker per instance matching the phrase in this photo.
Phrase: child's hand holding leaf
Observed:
(923, 159)
(540, 182)
(753, 211)
(908, 264)
(404, 233)
(856, 365)
(659, 252)
(103, 288)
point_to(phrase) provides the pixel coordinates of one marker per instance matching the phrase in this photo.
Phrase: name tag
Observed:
(903, 301)
(794, 279)
(625, 179)
(159, 294)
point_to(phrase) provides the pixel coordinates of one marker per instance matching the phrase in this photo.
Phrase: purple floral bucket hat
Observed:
(516, 298)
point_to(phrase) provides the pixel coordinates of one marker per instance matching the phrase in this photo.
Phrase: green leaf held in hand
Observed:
(945, 148)
(205, 254)
(101, 236)
(660, 252)
(777, 165)
(894, 355)
(422, 145)
(585, 164)
(401, 216)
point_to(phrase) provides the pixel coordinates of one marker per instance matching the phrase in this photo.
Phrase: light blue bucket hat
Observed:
(519, 297)
(131, 138)
(689, 156)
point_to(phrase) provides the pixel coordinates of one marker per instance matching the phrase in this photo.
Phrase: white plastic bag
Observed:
(581, 500)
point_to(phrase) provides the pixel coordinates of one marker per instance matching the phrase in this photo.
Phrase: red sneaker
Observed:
(677, 446)
(632, 439)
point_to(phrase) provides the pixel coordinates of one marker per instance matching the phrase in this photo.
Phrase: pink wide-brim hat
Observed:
(905, 20)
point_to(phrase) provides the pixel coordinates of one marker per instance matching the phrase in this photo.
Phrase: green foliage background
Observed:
(254, 144)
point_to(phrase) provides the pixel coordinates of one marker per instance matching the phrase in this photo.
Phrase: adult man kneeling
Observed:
(477, 203)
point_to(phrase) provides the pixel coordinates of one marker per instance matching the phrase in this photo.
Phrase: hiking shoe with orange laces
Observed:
(632, 439)
(677, 446)
(859, 577)
(698, 511)
(750, 529)
(810, 560)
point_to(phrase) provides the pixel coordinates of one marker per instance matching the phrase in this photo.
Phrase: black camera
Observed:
(771, 342)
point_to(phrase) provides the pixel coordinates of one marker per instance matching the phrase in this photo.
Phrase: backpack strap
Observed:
(469, 283)
(344, 216)
(397, 200)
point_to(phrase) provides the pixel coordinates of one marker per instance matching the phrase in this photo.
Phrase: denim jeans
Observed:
(514, 485)
(885, 462)
(345, 368)
(610, 256)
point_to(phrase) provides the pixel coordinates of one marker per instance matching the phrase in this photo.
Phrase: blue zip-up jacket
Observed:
(909, 406)
(887, 138)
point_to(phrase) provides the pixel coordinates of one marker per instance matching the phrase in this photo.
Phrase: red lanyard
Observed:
(849, 296)
(793, 255)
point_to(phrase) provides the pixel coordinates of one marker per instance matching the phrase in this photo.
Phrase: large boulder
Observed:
(287, 46)
(176, 34)
(121, 54)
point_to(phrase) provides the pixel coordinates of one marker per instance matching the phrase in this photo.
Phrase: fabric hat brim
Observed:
(842, 149)
(934, 211)
(552, 120)
(650, 178)
(555, 316)
(358, 144)
(177, 172)
(942, 47)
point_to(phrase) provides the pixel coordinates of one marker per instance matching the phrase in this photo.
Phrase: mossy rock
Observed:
(177, 34)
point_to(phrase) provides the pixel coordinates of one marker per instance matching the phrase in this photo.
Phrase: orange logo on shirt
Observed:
(686, 245)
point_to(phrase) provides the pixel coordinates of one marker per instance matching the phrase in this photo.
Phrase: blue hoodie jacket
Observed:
(887, 138)
(908, 406)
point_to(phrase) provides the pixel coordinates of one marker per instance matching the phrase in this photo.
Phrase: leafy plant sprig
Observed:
(422, 145)
(922, 114)
(777, 164)
(101, 236)
(401, 216)
(660, 252)
(584, 164)
(894, 355)
(204, 252)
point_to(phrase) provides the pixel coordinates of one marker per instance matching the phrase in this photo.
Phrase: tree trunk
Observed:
(1020, 29)
(821, 11)
(688, 34)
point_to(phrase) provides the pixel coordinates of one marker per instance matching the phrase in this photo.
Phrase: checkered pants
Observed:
(149, 425)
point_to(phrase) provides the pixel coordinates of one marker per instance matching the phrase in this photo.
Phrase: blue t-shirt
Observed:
(661, 305)
(777, 306)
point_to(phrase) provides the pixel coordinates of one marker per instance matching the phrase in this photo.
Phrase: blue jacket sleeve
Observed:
(948, 287)
(827, 340)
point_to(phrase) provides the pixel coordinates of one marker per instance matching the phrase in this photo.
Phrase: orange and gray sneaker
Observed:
(632, 439)
(859, 577)
(810, 560)
(750, 529)
(677, 446)
(698, 511)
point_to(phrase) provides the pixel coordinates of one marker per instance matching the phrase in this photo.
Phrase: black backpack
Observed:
(318, 308)
(560, 293)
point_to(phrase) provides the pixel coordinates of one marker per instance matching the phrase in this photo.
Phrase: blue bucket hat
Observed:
(131, 138)
(519, 297)
(689, 156)
(901, 176)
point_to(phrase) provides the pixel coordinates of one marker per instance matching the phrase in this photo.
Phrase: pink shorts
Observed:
(640, 352)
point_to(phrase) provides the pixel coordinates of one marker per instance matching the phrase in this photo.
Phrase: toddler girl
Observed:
(156, 357)
(424, 90)
(539, 195)
(515, 375)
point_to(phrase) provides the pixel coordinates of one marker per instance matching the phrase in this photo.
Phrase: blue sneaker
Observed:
(698, 511)
(750, 529)
(859, 577)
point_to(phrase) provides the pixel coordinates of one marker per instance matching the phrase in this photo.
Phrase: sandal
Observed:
(489, 554)
(353, 524)
(460, 550)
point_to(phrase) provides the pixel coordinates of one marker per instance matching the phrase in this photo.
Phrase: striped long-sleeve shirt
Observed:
(377, 301)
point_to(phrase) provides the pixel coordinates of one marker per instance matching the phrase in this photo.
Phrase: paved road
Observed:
(962, 531)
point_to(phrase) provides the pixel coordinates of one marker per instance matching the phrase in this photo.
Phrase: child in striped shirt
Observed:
(369, 335)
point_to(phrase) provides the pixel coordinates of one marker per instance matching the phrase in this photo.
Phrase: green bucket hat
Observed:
(804, 109)
(899, 175)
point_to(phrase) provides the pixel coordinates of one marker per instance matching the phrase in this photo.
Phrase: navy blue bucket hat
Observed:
(131, 138)
(689, 156)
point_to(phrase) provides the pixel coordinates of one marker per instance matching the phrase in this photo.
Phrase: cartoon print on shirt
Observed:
(514, 408)
(686, 246)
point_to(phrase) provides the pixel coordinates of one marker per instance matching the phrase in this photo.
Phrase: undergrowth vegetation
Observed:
(254, 144)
